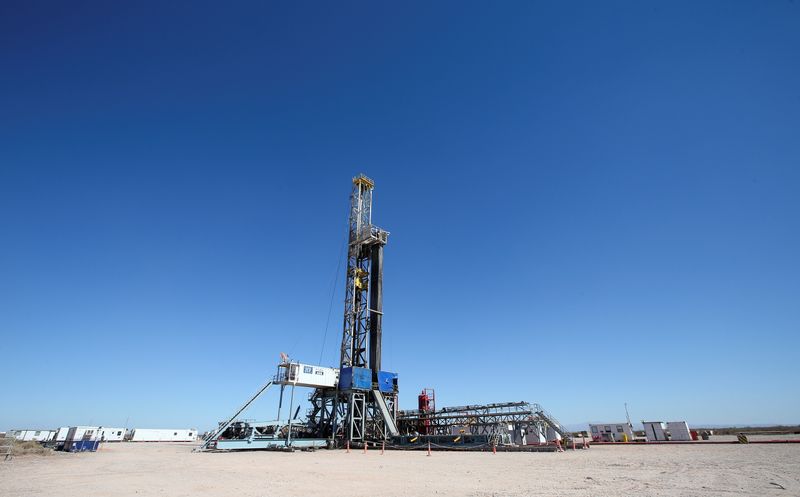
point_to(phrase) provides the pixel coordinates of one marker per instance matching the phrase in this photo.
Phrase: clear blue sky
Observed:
(590, 203)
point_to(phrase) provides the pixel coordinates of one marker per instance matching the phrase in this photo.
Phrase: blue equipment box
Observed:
(82, 446)
(387, 382)
(355, 379)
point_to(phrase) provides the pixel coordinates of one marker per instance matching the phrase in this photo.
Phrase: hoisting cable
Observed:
(333, 288)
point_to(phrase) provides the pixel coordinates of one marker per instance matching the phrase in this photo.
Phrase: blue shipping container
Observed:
(355, 379)
(82, 446)
(387, 382)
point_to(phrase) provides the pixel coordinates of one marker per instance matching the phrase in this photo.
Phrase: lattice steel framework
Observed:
(360, 241)
(476, 419)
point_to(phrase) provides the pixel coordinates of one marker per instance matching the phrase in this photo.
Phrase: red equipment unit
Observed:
(427, 403)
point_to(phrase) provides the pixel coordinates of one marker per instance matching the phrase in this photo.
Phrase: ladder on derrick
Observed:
(213, 436)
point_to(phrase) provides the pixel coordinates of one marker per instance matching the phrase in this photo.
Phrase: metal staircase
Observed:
(224, 426)
(552, 422)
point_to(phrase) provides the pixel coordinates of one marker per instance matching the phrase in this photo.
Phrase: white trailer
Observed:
(79, 433)
(61, 434)
(108, 434)
(32, 435)
(611, 432)
(679, 431)
(163, 435)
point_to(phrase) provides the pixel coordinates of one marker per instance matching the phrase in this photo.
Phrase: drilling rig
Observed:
(356, 403)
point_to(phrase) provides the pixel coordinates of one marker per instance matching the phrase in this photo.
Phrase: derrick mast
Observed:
(368, 394)
(363, 406)
(364, 287)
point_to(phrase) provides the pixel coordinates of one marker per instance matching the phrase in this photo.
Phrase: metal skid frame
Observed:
(486, 419)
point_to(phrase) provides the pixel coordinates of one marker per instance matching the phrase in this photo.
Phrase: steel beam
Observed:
(375, 308)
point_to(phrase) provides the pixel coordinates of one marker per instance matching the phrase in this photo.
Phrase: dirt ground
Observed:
(130, 469)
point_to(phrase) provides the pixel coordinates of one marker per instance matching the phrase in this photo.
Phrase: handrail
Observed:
(224, 426)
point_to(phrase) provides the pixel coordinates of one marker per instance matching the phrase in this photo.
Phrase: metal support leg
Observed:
(289, 433)
(357, 416)
(280, 402)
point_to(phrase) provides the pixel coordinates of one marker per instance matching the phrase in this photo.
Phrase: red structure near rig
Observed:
(427, 405)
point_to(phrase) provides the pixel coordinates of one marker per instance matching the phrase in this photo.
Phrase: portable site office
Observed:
(163, 435)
